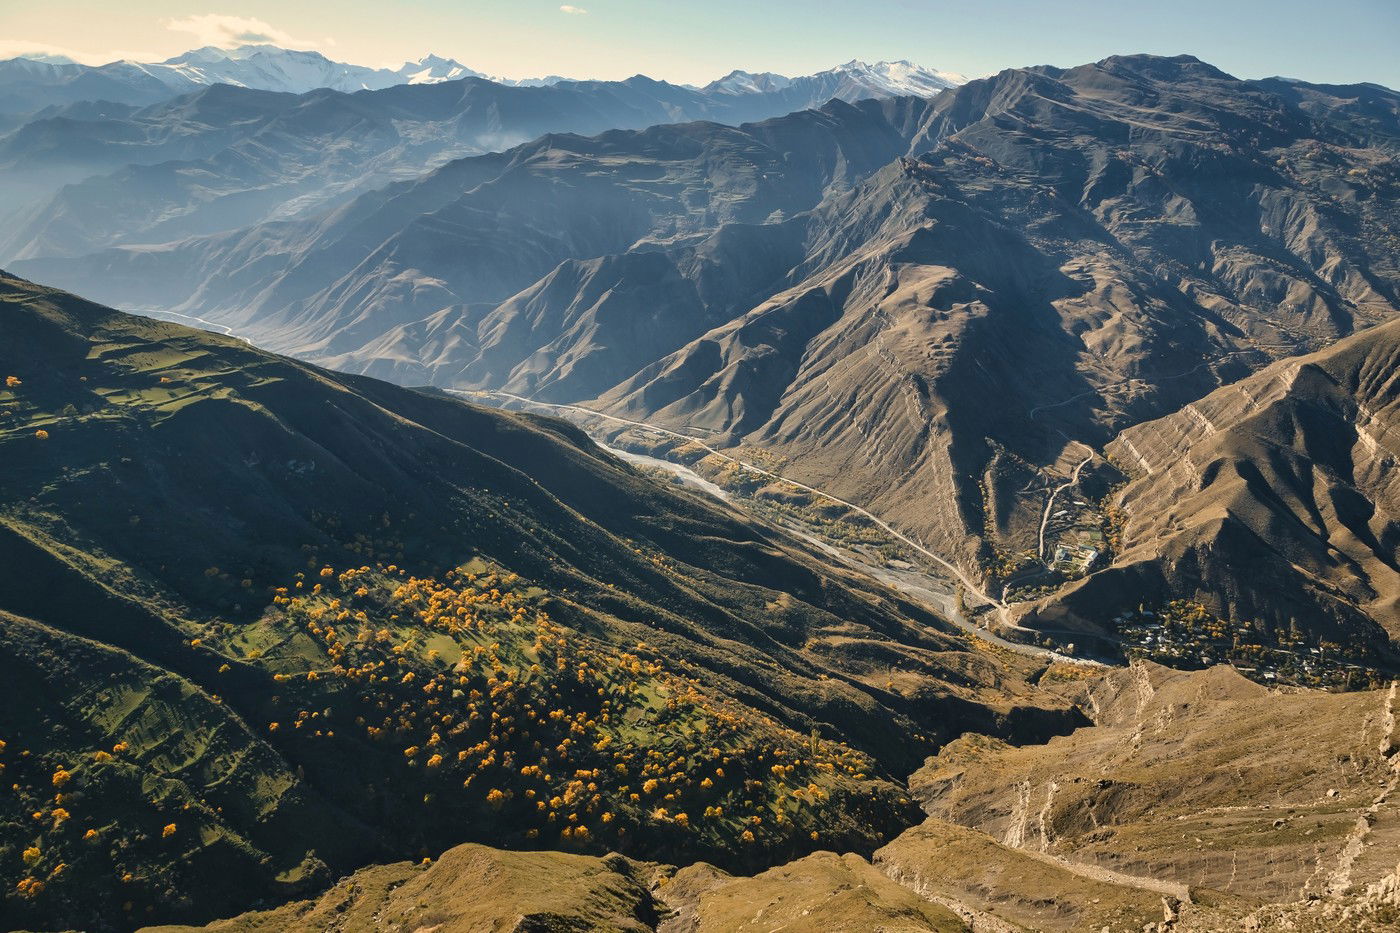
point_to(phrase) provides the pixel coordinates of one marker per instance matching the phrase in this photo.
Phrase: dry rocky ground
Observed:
(1197, 802)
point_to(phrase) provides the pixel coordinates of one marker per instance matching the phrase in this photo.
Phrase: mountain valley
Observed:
(285, 535)
(870, 499)
(943, 307)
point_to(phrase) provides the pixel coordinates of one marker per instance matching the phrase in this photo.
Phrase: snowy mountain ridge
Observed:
(271, 68)
(852, 78)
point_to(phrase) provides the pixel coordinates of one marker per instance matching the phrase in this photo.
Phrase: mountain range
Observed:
(866, 500)
(261, 609)
(88, 174)
(928, 306)
(28, 85)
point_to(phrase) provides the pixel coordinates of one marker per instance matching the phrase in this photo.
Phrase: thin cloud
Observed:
(572, 10)
(21, 48)
(227, 32)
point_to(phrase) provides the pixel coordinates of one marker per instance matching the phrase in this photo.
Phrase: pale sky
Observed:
(694, 41)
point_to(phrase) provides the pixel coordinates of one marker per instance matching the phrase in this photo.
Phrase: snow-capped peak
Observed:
(851, 81)
(747, 82)
(901, 77)
(47, 58)
(271, 68)
(431, 69)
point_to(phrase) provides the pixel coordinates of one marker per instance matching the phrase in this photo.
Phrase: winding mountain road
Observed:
(189, 320)
(1050, 504)
(1003, 610)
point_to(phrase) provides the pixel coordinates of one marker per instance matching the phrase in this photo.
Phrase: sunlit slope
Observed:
(1273, 501)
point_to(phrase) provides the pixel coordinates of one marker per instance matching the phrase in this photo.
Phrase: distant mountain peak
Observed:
(747, 82)
(431, 69)
(850, 81)
(47, 58)
(211, 53)
(434, 59)
(297, 71)
(207, 53)
(902, 76)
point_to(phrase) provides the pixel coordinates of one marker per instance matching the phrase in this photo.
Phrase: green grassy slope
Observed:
(199, 540)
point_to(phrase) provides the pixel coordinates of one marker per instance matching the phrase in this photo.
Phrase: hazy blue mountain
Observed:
(224, 157)
(29, 84)
(492, 225)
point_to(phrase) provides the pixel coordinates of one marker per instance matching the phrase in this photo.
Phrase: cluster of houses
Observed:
(1169, 637)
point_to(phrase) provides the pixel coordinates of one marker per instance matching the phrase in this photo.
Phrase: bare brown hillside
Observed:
(1078, 251)
(1274, 501)
(1198, 802)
